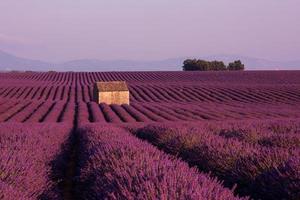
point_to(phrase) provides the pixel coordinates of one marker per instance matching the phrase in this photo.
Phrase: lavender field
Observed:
(185, 135)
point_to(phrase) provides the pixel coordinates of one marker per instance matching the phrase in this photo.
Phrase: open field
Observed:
(185, 135)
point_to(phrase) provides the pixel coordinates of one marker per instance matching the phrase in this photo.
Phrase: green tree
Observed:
(236, 65)
(217, 66)
(195, 65)
(202, 65)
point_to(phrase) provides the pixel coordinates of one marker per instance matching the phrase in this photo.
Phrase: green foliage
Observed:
(236, 65)
(203, 65)
(195, 65)
(217, 66)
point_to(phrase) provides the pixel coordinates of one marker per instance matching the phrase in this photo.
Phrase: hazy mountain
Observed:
(258, 63)
(174, 64)
(123, 65)
(11, 62)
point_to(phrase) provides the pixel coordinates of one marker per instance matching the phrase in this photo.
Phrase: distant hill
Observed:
(11, 62)
(258, 63)
(123, 65)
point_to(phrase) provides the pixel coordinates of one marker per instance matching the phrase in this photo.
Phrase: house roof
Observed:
(111, 86)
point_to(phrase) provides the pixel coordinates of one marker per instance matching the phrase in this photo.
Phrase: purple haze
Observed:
(63, 30)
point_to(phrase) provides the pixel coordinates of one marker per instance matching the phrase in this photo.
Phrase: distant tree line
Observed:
(203, 65)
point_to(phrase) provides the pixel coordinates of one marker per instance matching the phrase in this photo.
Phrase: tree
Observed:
(203, 65)
(236, 65)
(217, 66)
(195, 65)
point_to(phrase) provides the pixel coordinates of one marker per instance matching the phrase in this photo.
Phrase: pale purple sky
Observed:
(59, 30)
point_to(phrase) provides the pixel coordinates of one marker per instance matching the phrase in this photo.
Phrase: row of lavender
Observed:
(47, 92)
(252, 77)
(262, 158)
(158, 93)
(113, 164)
(31, 112)
(27, 153)
(60, 111)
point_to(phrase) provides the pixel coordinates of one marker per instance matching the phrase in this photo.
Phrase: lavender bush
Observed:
(26, 154)
(116, 165)
(231, 160)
